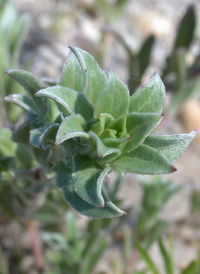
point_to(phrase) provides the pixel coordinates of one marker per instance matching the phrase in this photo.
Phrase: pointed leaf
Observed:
(143, 160)
(146, 258)
(139, 126)
(27, 80)
(73, 101)
(186, 29)
(114, 98)
(101, 148)
(22, 101)
(94, 77)
(73, 126)
(31, 84)
(149, 98)
(172, 146)
(88, 179)
(72, 74)
(144, 54)
(65, 182)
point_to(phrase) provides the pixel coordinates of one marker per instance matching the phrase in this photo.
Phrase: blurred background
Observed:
(39, 232)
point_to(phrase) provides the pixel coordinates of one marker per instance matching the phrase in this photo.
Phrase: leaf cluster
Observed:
(88, 125)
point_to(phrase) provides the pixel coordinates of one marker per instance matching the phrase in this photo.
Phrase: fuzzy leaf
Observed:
(65, 182)
(103, 120)
(143, 160)
(22, 101)
(101, 148)
(139, 126)
(149, 98)
(94, 77)
(44, 137)
(31, 84)
(73, 126)
(27, 80)
(119, 125)
(35, 136)
(172, 146)
(48, 137)
(88, 179)
(72, 74)
(114, 98)
(73, 101)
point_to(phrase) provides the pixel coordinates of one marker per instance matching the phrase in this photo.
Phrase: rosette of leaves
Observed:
(98, 128)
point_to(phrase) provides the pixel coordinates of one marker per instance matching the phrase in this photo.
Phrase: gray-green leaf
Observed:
(143, 160)
(172, 146)
(88, 179)
(72, 74)
(139, 126)
(114, 98)
(94, 77)
(22, 101)
(73, 101)
(65, 182)
(73, 126)
(150, 97)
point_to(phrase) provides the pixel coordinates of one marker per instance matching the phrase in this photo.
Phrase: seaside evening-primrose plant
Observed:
(88, 125)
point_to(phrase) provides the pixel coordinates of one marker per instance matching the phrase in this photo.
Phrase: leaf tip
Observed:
(173, 169)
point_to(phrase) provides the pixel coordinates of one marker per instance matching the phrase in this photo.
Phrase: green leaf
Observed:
(27, 80)
(171, 146)
(102, 121)
(94, 77)
(145, 257)
(119, 125)
(44, 137)
(103, 150)
(149, 98)
(144, 54)
(7, 147)
(48, 137)
(35, 135)
(94, 256)
(31, 84)
(21, 134)
(72, 74)
(5, 163)
(114, 98)
(88, 179)
(65, 182)
(22, 101)
(143, 160)
(167, 258)
(192, 268)
(186, 29)
(73, 126)
(139, 126)
(73, 101)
